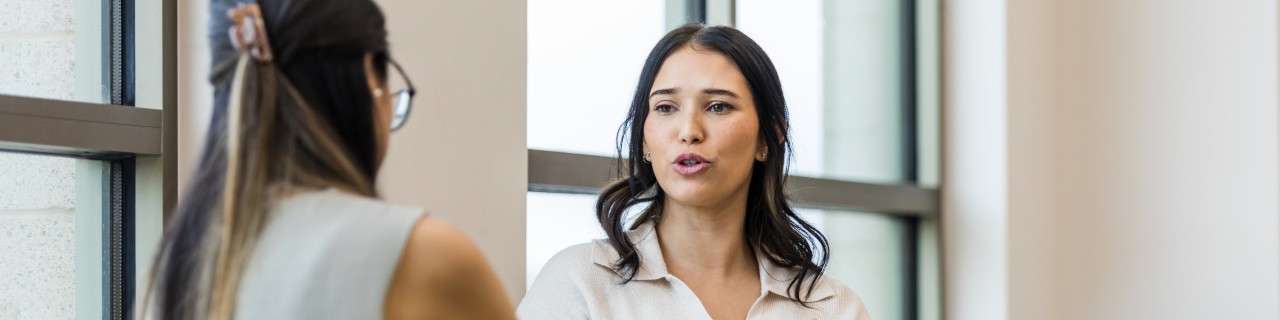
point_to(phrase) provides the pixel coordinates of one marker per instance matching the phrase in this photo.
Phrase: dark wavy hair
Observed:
(305, 120)
(772, 226)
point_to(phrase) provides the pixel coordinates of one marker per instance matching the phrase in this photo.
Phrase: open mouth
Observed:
(690, 163)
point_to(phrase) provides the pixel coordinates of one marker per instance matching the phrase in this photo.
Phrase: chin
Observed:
(694, 194)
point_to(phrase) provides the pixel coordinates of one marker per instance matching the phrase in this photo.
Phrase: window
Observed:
(848, 71)
(584, 75)
(80, 168)
(860, 81)
(580, 71)
(37, 227)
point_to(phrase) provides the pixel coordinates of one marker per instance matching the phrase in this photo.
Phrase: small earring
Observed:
(647, 159)
(763, 156)
(377, 92)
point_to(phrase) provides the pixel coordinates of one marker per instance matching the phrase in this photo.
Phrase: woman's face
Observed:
(382, 112)
(701, 132)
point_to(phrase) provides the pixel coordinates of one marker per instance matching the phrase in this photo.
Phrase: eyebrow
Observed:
(663, 91)
(720, 92)
(711, 91)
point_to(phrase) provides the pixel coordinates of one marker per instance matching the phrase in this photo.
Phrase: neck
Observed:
(705, 239)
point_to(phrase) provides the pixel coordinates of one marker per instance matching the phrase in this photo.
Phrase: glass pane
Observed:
(843, 68)
(37, 237)
(584, 59)
(557, 221)
(841, 64)
(580, 82)
(52, 49)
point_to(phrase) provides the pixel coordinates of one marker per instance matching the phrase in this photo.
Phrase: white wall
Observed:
(974, 192)
(48, 50)
(1122, 156)
(462, 153)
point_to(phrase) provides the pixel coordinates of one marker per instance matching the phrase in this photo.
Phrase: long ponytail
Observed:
(269, 137)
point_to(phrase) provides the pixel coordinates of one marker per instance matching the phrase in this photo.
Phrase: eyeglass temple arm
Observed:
(399, 69)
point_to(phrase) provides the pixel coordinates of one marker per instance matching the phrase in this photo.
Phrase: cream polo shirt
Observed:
(578, 283)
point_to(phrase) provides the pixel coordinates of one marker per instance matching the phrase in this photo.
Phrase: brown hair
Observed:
(301, 120)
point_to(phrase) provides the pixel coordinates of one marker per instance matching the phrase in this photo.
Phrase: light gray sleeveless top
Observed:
(325, 255)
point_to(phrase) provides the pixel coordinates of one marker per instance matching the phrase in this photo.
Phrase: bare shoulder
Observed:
(442, 274)
(446, 247)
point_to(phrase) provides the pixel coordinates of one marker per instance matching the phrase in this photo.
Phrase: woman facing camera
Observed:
(282, 220)
(706, 140)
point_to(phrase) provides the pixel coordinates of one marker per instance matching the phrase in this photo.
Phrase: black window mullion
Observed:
(910, 157)
(115, 51)
(695, 11)
(119, 190)
(129, 67)
(909, 94)
(911, 268)
(113, 223)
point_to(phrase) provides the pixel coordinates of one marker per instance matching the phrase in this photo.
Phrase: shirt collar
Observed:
(645, 240)
(777, 279)
(773, 278)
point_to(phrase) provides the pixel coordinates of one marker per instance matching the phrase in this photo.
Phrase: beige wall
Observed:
(1117, 159)
(195, 94)
(462, 153)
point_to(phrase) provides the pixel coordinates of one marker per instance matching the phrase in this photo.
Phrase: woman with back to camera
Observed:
(282, 219)
(706, 140)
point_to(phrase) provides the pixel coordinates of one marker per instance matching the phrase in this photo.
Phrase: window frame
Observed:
(137, 145)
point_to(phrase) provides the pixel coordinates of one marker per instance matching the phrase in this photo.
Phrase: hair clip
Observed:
(249, 34)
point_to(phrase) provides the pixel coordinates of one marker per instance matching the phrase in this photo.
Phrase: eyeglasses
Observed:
(402, 99)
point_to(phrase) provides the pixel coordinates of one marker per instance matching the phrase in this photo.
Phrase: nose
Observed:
(691, 130)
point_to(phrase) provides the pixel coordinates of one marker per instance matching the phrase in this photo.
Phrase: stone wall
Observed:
(37, 193)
